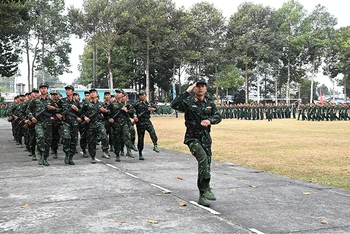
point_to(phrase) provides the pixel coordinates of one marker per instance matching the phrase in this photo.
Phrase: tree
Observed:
(230, 77)
(290, 18)
(318, 28)
(48, 28)
(251, 40)
(13, 14)
(206, 39)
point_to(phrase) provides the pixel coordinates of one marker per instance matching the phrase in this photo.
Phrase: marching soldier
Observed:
(41, 112)
(91, 112)
(119, 113)
(69, 113)
(200, 114)
(143, 111)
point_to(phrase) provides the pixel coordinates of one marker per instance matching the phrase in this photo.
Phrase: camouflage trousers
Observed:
(43, 131)
(132, 135)
(18, 133)
(121, 134)
(96, 131)
(83, 130)
(26, 137)
(142, 127)
(203, 155)
(56, 132)
(69, 136)
(32, 139)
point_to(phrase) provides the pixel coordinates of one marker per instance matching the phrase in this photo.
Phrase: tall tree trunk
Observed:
(312, 84)
(147, 65)
(94, 62)
(344, 81)
(217, 86)
(33, 62)
(42, 61)
(110, 71)
(180, 78)
(28, 65)
(258, 81)
(288, 83)
(246, 83)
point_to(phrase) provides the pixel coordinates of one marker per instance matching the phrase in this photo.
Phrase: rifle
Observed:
(91, 117)
(44, 113)
(69, 113)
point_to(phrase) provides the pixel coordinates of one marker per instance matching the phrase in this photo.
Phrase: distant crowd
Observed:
(270, 111)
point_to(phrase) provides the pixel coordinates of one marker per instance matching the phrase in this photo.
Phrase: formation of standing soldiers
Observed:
(45, 121)
(269, 111)
(255, 111)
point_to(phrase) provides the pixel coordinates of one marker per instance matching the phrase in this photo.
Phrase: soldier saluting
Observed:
(200, 114)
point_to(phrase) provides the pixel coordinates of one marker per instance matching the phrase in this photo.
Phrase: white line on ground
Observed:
(131, 175)
(255, 231)
(206, 208)
(112, 166)
(167, 190)
(98, 160)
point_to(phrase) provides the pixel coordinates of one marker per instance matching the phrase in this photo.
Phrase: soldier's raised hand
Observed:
(190, 88)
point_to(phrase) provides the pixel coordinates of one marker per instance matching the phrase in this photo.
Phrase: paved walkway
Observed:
(134, 196)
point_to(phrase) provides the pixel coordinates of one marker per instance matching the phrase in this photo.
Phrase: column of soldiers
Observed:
(45, 121)
(270, 111)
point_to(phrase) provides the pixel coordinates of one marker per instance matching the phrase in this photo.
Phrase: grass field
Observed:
(313, 151)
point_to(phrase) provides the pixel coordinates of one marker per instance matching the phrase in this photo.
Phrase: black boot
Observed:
(141, 156)
(93, 160)
(41, 160)
(71, 162)
(117, 157)
(45, 162)
(84, 153)
(66, 159)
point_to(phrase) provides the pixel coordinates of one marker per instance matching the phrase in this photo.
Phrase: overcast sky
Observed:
(338, 8)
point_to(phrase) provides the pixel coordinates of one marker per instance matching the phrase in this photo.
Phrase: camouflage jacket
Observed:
(65, 107)
(141, 110)
(92, 110)
(195, 111)
(119, 115)
(38, 105)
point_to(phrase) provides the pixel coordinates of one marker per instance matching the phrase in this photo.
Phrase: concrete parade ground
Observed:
(157, 195)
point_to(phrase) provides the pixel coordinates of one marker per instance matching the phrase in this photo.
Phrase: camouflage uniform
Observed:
(70, 129)
(43, 128)
(83, 130)
(144, 124)
(96, 127)
(197, 138)
(121, 128)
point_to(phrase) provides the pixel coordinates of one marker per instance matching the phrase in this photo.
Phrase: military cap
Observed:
(26, 94)
(35, 90)
(107, 92)
(141, 92)
(43, 85)
(54, 92)
(69, 87)
(201, 81)
(75, 94)
(92, 90)
(86, 92)
(120, 91)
